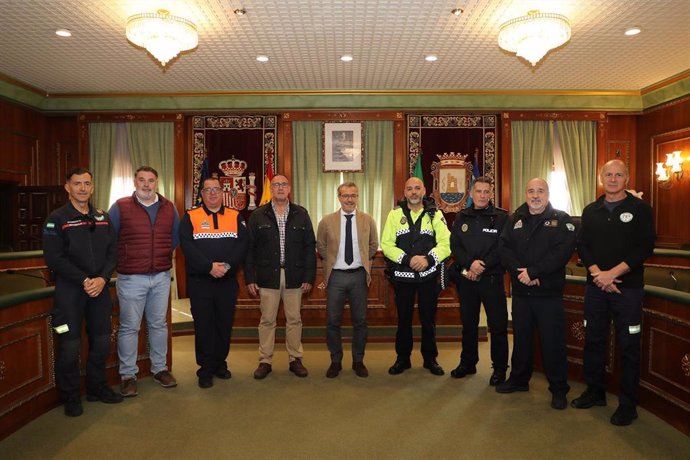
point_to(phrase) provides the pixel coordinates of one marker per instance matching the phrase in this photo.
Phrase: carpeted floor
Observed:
(413, 415)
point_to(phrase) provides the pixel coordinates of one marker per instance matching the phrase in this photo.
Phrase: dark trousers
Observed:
(405, 294)
(626, 310)
(213, 309)
(72, 307)
(489, 291)
(353, 287)
(548, 315)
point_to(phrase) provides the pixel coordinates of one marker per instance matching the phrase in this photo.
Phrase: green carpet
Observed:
(410, 416)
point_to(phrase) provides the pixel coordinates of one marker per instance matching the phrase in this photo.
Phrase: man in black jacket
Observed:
(535, 245)
(79, 247)
(616, 237)
(281, 263)
(474, 245)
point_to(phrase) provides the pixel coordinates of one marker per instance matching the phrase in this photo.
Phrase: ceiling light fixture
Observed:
(457, 11)
(534, 35)
(346, 58)
(431, 58)
(632, 31)
(262, 58)
(163, 35)
(63, 33)
(240, 11)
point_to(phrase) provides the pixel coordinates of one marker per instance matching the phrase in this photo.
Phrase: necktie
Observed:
(349, 257)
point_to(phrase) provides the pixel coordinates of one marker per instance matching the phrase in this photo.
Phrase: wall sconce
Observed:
(672, 167)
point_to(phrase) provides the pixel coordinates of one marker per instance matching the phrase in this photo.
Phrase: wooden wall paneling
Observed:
(21, 132)
(31, 208)
(60, 151)
(670, 199)
(657, 120)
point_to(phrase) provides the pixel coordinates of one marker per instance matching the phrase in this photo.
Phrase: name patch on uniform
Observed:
(551, 223)
(517, 225)
(464, 228)
(490, 230)
(634, 329)
(61, 329)
(50, 225)
(205, 224)
(626, 217)
(570, 227)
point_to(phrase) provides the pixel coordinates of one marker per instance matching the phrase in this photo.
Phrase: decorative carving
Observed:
(685, 364)
(578, 330)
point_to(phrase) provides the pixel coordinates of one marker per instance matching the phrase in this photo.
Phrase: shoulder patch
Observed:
(570, 227)
(518, 224)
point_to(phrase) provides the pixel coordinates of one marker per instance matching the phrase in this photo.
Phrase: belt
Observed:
(349, 270)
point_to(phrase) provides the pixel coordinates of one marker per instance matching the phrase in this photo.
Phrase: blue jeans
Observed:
(138, 295)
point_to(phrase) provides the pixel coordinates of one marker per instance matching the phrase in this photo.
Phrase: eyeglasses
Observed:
(211, 190)
(349, 195)
(280, 185)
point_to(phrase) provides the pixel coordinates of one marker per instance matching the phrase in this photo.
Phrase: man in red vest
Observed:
(147, 227)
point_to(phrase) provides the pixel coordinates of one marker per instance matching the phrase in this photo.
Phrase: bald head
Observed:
(614, 178)
(414, 193)
(537, 195)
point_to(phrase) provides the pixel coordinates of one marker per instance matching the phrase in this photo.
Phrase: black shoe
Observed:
(624, 415)
(497, 378)
(559, 402)
(588, 399)
(462, 371)
(433, 367)
(399, 367)
(73, 407)
(104, 394)
(223, 374)
(205, 382)
(511, 386)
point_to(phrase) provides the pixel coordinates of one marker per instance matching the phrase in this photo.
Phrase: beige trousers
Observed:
(270, 301)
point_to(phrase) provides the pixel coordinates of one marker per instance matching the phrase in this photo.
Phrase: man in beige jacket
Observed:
(347, 240)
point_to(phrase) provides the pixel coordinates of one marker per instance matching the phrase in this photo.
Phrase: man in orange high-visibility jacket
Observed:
(214, 240)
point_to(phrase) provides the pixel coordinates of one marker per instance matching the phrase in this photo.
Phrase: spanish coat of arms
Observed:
(234, 185)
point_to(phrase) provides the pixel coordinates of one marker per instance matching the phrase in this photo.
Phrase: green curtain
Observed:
(317, 190)
(531, 156)
(102, 144)
(578, 141)
(152, 144)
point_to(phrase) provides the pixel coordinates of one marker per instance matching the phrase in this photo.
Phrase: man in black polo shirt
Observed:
(616, 237)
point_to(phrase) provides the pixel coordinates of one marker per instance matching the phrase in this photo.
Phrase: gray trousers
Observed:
(352, 286)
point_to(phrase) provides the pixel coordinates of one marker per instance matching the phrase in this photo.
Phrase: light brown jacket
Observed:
(328, 241)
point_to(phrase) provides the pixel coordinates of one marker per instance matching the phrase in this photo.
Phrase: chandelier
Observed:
(163, 35)
(534, 35)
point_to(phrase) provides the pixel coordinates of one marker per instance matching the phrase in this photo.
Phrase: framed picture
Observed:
(343, 147)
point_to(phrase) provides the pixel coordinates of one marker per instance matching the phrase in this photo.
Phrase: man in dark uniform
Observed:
(79, 247)
(535, 245)
(474, 245)
(616, 237)
(214, 241)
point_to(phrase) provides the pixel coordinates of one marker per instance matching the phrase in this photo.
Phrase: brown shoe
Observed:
(262, 371)
(128, 387)
(360, 369)
(297, 368)
(333, 370)
(165, 379)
